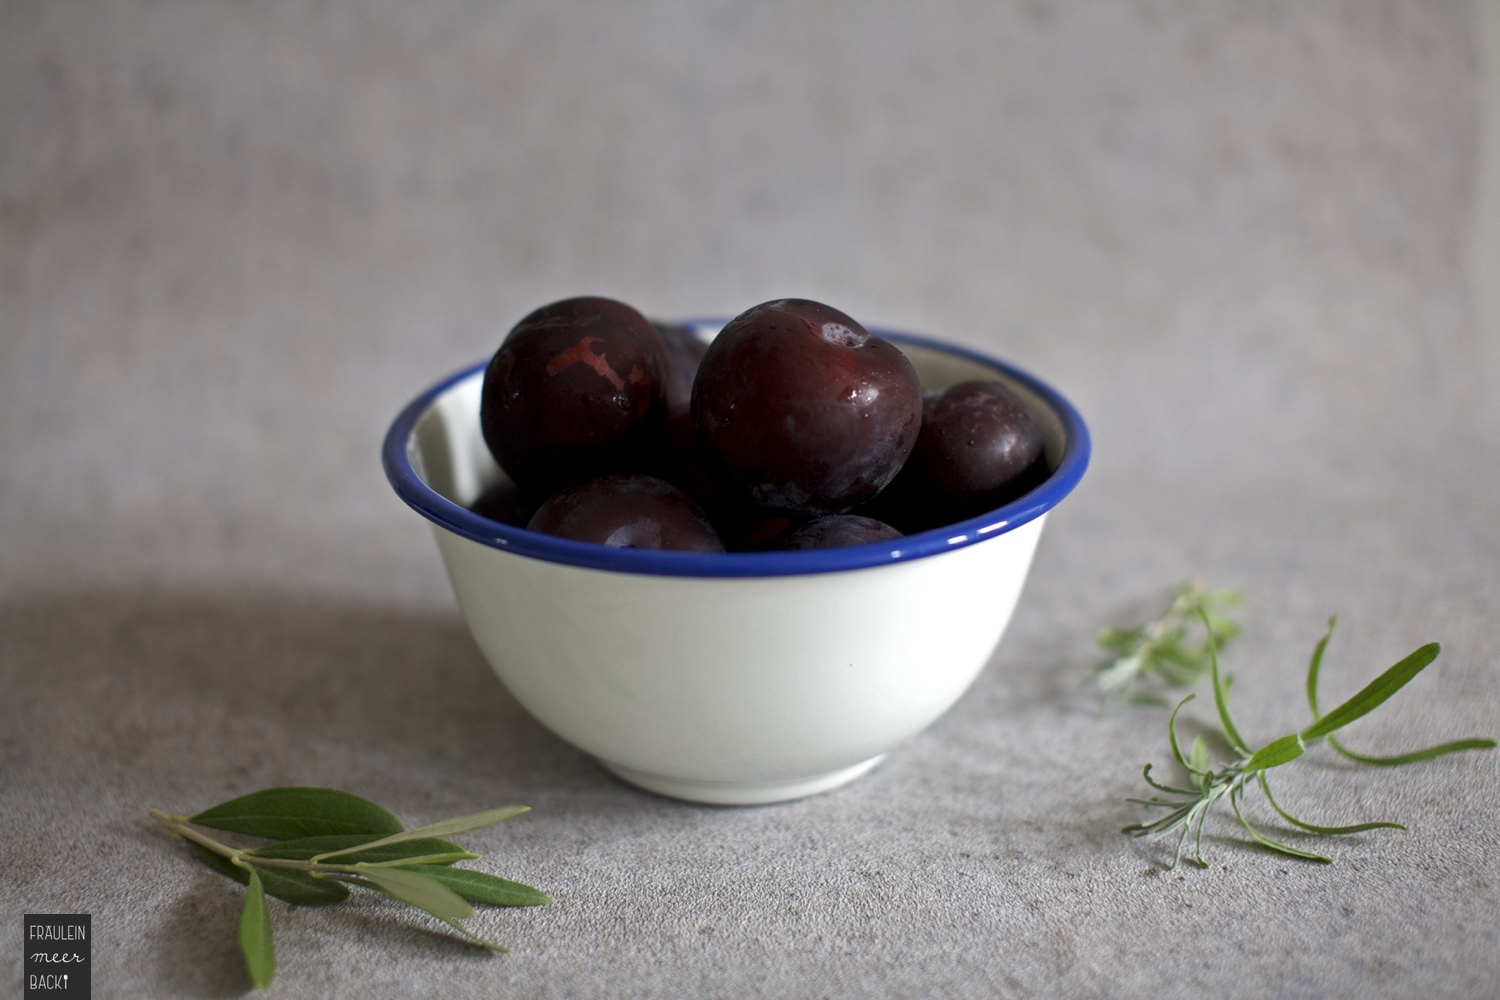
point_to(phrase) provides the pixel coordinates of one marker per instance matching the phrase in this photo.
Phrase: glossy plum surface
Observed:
(577, 389)
(834, 530)
(979, 447)
(628, 511)
(800, 410)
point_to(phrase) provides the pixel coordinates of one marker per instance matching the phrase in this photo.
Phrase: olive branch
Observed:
(323, 841)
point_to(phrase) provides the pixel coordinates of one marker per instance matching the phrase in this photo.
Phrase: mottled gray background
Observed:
(1255, 242)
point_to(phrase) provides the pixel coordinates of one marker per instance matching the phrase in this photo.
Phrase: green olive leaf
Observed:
(427, 850)
(479, 887)
(447, 827)
(255, 934)
(374, 852)
(298, 888)
(287, 813)
(420, 891)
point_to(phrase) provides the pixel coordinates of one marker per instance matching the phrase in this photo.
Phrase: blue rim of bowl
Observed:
(463, 522)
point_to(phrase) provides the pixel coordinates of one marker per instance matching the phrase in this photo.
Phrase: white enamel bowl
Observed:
(738, 678)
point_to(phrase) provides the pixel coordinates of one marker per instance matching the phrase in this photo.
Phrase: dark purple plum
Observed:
(743, 526)
(979, 447)
(503, 502)
(627, 511)
(577, 389)
(800, 410)
(834, 530)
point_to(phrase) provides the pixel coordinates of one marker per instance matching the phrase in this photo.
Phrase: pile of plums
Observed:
(794, 428)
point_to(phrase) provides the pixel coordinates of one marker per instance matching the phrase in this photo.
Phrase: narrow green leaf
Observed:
(479, 887)
(1172, 732)
(1415, 756)
(1221, 692)
(1160, 826)
(470, 935)
(1198, 756)
(255, 934)
(301, 889)
(482, 941)
(1275, 753)
(1274, 845)
(462, 824)
(445, 828)
(1146, 773)
(1315, 664)
(430, 850)
(1326, 831)
(1198, 837)
(420, 891)
(1119, 640)
(1374, 693)
(286, 813)
(1118, 674)
(291, 886)
(1157, 802)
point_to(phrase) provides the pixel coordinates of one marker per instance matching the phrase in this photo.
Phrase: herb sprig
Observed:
(1165, 653)
(323, 840)
(1190, 806)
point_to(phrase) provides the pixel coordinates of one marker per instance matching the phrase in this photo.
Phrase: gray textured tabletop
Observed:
(1255, 243)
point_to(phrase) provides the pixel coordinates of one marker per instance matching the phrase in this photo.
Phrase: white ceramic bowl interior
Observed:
(739, 678)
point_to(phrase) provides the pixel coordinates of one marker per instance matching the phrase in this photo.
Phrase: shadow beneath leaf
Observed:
(182, 700)
(196, 943)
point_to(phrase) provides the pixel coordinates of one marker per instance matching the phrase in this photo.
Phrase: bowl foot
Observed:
(741, 793)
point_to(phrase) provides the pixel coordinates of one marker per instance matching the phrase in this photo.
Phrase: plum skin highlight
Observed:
(577, 389)
(798, 408)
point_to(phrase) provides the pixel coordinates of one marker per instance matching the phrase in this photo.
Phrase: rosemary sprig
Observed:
(1160, 654)
(1188, 807)
(309, 827)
